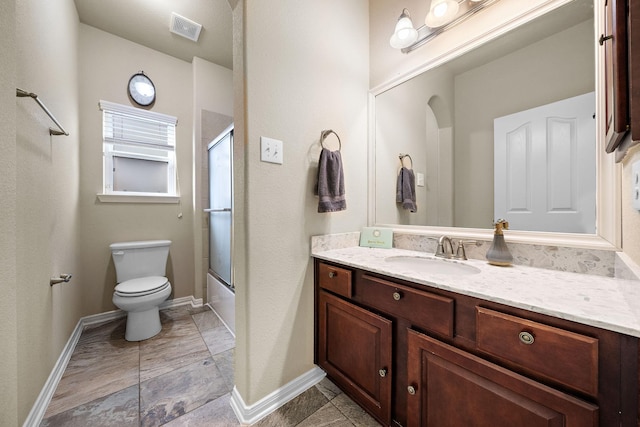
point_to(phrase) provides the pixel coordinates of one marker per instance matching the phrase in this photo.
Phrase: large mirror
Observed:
(469, 128)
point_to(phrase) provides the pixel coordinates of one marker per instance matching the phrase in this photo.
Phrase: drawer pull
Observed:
(397, 296)
(382, 373)
(526, 338)
(411, 390)
(332, 274)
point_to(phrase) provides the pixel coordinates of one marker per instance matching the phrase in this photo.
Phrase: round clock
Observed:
(141, 89)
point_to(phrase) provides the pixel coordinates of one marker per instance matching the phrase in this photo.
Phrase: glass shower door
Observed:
(221, 207)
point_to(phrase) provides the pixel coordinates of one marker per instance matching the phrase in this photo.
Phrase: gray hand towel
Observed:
(330, 185)
(406, 190)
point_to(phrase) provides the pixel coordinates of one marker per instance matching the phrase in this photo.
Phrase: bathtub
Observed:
(223, 301)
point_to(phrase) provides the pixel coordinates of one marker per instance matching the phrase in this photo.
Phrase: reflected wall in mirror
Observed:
(444, 119)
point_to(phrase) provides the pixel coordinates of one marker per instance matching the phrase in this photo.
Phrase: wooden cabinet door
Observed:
(355, 349)
(449, 388)
(614, 42)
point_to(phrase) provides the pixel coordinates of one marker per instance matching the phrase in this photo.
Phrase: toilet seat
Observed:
(142, 286)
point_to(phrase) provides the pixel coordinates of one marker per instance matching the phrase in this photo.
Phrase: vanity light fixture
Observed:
(404, 35)
(443, 14)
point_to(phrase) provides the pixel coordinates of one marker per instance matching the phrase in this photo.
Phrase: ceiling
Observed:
(146, 22)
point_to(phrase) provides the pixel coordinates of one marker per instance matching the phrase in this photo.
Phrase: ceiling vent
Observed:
(184, 27)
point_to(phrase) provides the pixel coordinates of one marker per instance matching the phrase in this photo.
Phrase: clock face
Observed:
(141, 90)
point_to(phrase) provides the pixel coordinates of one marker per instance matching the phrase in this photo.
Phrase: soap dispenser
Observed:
(498, 253)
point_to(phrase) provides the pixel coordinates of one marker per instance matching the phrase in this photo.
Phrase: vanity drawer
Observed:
(335, 279)
(425, 310)
(550, 353)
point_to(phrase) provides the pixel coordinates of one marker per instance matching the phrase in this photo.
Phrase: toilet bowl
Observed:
(142, 286)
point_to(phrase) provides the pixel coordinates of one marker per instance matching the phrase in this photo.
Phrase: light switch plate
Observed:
(271, 150)
(635, 185)
(420, 179)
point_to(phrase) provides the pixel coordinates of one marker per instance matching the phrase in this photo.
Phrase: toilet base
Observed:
(142, 325)
(143, 314)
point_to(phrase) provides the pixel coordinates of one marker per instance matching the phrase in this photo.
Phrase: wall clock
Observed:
(141, 89)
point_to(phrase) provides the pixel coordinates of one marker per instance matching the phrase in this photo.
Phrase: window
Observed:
(139, 151)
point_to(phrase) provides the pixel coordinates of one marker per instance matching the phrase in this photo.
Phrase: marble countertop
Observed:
(604, 302)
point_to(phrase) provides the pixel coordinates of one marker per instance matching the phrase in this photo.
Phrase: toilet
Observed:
(141, 285)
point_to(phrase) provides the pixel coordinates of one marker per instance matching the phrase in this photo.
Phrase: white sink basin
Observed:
(432, 266)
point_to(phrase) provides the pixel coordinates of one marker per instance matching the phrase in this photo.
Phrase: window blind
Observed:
(133, 126)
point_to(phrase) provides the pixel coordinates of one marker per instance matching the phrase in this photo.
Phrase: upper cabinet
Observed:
(614, 43)
(621, 44)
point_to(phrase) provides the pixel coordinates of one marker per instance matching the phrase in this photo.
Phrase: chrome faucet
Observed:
(460, 252)
(441, 251)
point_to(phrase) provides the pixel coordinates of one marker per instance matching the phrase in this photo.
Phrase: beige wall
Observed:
(305, 70)
(8, 267)
(47, 174)
(401, 127)
(630, 216)
(106, 64)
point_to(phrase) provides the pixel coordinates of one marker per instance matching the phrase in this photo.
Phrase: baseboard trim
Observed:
(195, 302)
(44, 398)
(250, 414)
(42, 402)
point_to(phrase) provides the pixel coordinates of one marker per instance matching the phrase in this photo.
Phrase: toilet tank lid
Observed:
(139, 244)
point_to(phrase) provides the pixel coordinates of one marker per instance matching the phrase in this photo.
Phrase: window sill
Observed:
(137, 198)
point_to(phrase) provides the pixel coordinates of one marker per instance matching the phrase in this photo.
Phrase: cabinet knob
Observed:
(397, 296)
(526, 337)
(332, 274)
(382, 373)
(411, 390)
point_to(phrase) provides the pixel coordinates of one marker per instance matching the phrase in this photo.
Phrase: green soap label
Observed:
(375, 237)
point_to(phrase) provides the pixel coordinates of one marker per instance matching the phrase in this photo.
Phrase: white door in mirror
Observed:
(545, 167)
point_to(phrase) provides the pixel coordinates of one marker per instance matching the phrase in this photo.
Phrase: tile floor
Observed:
(181, 377)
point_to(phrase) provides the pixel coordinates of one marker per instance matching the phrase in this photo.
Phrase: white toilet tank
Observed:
(140, 259)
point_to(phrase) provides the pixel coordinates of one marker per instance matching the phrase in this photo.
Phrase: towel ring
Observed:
(326, 133)
(402, 157)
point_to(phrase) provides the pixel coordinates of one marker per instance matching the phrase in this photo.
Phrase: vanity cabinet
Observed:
(354, 345)
(413, 355)
(355, 350)
(449, 387)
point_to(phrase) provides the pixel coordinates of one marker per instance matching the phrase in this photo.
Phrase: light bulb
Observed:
(404, 35)
(442, 12)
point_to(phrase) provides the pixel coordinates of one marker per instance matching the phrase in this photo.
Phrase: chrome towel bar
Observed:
(23, 93)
